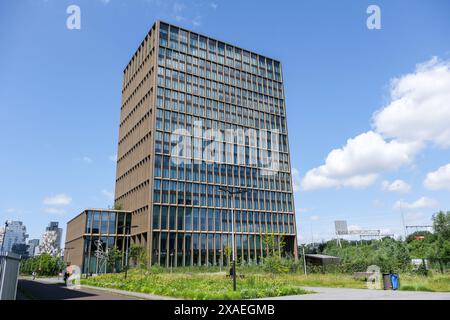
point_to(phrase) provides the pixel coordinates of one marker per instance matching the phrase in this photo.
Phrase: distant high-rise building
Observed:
(54, 226)
(48, 244)
(20, 249)
(33, 246)
(226, 104)
(51, 240)
(15, 233)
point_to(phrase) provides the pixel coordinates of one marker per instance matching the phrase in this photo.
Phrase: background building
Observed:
(48, 244)
(51, 240)
(16, 233)
(33, 247)
(175, 78)
(54, 226)
(21, 249)
(91, 234)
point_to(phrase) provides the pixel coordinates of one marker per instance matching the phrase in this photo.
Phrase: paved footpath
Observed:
(323, 293)
(54, 289)
(46, 290)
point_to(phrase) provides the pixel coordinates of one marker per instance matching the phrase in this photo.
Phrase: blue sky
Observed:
(60, 100)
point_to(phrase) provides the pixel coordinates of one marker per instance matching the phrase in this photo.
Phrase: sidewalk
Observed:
(325, 293)
(138, 295)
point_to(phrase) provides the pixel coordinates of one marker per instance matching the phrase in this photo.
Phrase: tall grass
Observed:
(208, 283)
(432, 283)
(197, 286)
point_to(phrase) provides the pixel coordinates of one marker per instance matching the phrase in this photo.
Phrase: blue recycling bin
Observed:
(395, 281)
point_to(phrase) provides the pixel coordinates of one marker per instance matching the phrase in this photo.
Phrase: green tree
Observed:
(43, 264)
(228, 251)
(440, 253)
(274, 262)
(441, 224)
(138, 255)
(113, 259)
(118, 206)
(413, 236)
(274, 246)
(388, 254)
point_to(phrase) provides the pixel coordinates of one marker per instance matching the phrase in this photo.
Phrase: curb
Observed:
(143, 296)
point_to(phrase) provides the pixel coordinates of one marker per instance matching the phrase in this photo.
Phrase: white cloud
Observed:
(419, 109)
(178, 7)
(214, 5)
(52, 210)
(296, 180)
(314, 218)
(421, 203)
(197, 21)
(418, 112)
(415, 217)
(439, 179)
(108, 194)
(354, 227)
(57, 200)
(113, 157)
(359, 163)
(84, 159)
(399, 186)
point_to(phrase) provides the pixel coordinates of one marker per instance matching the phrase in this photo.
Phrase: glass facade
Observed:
(202, 80)
(103, 231)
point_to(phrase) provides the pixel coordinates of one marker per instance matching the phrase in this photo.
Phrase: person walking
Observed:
(66, 276)
(34, 275)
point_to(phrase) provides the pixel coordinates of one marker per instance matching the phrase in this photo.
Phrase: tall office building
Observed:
(15, 233)
(199, 115)
(33, 246)
(54, 226)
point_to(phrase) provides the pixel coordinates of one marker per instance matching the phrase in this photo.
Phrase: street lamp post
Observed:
(4, 236)
(128, 234)
(232, 192)
(68, 253)
(304, 259)
(221, 259)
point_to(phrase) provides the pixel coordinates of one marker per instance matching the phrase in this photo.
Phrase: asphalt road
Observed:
(37, 290)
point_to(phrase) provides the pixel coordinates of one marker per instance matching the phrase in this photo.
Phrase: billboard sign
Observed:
(341, 227)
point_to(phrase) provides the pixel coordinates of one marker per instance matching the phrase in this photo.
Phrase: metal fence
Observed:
(9, 271)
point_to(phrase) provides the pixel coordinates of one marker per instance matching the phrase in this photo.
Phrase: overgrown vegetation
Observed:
(395, 255)
(197, 286)
(43, 265)
(138, 256)
(435, 282)
(281, 274)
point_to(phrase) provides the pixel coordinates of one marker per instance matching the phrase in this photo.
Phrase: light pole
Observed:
(304, 258)
(221, 259)
(4, 235)
(68, 252)
(232, 192)
(128, 235)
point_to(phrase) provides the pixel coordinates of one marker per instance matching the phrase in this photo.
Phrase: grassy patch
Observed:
(433, 283)
(334, 280)
(197, 286)
(208, 283)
